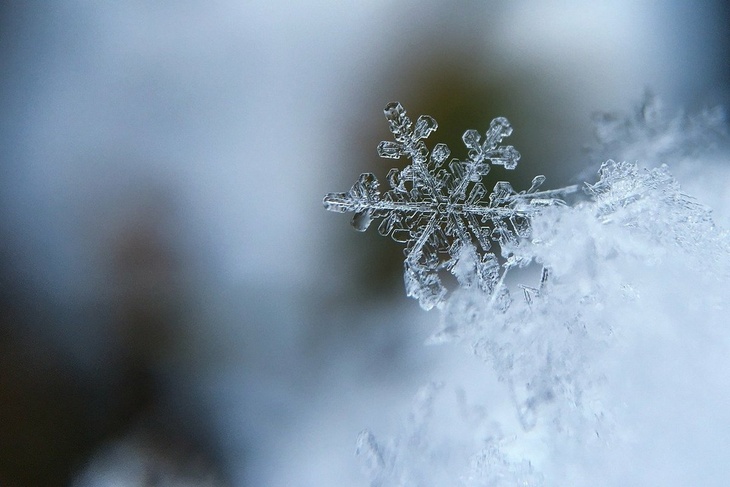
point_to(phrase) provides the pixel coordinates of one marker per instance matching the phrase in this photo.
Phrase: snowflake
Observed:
(442, 212)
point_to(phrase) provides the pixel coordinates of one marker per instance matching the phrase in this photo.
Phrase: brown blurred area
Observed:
(61, 421)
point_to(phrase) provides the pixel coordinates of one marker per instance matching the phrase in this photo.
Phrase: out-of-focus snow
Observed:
(626, 343)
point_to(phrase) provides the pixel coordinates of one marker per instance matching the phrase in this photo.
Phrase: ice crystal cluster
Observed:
(616, 356)
(440, 209)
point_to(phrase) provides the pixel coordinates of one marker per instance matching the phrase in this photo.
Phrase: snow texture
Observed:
(441, 210)
(652, 133)
(613, 362)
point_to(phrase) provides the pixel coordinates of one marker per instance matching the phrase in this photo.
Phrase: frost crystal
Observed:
(441, 210)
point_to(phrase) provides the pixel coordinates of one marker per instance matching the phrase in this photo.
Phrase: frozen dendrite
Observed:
(441, 210)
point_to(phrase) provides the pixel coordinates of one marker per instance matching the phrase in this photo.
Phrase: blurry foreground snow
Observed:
(615, 372)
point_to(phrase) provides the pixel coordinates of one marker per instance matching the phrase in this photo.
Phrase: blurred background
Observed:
(176, 307)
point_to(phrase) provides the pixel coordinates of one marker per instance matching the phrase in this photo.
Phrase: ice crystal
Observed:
(441, 209)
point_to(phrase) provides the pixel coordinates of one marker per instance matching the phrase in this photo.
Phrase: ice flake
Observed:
(442, 211)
